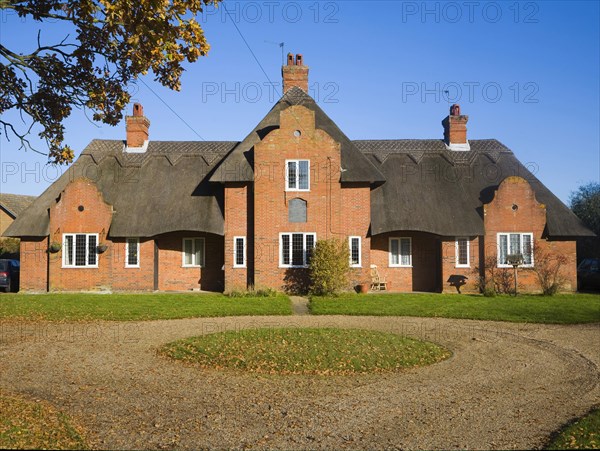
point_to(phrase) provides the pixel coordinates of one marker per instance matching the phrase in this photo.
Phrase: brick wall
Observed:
(423, 275)
(34, 265)
(172, 275)
(238, 204)
(333, 210)
(452, 274)
(355, 212)
(128, 278)
(515, 209)
(80, 209)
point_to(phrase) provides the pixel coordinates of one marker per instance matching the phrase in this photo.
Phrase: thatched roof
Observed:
(14, 204)
(163, 190)
(432, 189)
(418, 185)
(238, 166)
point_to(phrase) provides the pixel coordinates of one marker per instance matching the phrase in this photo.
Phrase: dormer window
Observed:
(297, 175)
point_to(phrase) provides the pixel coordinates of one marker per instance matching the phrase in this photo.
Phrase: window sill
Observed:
(520, 266)
(239, 267)
(400, 266)
(79, 267)
(132, 266)
(462, 266)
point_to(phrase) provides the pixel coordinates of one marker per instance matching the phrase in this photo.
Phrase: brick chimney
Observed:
(294, 74)
(455, 129)
(137, 128)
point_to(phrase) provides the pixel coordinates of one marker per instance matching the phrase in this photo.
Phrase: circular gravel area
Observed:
(506, 386)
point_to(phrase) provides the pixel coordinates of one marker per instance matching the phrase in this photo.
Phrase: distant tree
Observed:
(585, 203)
(9, 246)
(114, 42)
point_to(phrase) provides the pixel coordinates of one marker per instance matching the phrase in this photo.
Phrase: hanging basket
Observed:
(101, 248)
(54, 248)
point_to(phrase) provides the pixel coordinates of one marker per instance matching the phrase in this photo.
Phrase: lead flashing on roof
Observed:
(130, 149)
(459, 147)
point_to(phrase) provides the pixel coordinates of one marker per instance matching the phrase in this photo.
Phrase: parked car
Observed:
(9, 274)
(588, 274)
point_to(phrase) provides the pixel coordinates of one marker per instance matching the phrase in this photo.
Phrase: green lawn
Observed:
(582, 434)
(133, 307)
(305, 351)
(558, 309)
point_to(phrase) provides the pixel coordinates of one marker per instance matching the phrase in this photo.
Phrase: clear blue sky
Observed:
(527, 74)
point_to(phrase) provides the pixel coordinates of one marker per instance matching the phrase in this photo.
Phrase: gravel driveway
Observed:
(506, 386)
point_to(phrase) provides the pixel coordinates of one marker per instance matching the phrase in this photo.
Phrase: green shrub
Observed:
(266, 293)
(329, 267)
(489, 292)
(253, 293)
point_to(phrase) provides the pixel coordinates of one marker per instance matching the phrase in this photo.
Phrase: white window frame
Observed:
(297, 178)
(508, 234)
(194, 263)
(235, 255)
(399, 264)
(127, 244)
(457, 252)
(304, 235)
(359, 264)
(74, 250)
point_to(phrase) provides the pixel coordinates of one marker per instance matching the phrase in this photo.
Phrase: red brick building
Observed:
(148, 215)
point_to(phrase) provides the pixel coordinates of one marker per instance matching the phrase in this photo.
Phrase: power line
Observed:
(172, 110)
(246, 42)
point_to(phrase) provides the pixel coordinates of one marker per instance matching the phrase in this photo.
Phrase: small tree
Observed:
(494, 280)
(329, 265)
(547, 269)
(486, 276)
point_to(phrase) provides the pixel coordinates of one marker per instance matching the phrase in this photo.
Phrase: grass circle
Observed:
(320, 351)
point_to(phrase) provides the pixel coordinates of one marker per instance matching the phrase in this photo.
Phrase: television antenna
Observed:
(447, 92)
(280, 44)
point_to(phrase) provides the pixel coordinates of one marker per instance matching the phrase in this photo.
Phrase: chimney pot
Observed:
(295, 73)
(138, 109)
